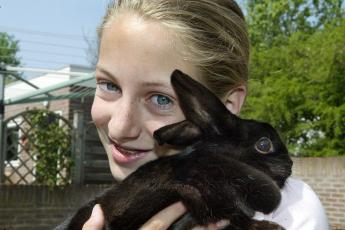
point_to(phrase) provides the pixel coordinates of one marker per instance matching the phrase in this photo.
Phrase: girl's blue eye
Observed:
(108, 86)
(162, 102)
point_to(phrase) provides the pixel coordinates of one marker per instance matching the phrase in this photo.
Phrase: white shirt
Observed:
(299, 209)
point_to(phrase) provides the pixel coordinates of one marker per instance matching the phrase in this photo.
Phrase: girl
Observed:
(141, 43)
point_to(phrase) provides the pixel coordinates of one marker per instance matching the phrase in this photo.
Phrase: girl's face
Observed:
(134, 96)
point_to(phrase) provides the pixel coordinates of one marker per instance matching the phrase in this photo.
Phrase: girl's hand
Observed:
(96, 220)
(161, 221)
(166, 217)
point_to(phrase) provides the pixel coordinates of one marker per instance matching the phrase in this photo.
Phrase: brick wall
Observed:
(35, 207)
(327, 178)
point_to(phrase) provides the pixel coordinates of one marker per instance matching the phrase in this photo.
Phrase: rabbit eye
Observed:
(264, 145)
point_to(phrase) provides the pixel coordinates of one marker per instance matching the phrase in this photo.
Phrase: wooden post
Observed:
(78, 147)
(2, 114)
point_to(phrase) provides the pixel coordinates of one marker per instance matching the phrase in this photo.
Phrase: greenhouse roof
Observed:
(50, 85)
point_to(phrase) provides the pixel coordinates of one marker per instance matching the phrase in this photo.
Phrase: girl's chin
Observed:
(120, 176)
(120, 173)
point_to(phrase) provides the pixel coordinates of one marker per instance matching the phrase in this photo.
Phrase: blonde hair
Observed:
(213, 33)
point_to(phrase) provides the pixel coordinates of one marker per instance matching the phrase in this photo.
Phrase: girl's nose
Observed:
(124, 124)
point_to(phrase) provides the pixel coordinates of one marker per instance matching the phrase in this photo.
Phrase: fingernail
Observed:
(95, 210)
(181, 207)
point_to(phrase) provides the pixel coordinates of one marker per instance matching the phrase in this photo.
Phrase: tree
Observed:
(271, 22)
(9, 48)
(298, 79)
(92, 51)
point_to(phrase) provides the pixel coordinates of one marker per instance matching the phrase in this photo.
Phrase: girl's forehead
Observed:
(130, 26)
(141, 51)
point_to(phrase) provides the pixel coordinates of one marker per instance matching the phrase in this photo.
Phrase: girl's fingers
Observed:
(160, 221)
(208, 227)
(163, 219)
(96, 220)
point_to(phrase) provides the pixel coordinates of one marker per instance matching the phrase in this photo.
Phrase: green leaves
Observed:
(272, 22)
(298, 77)
(52, 143)
(8, 49)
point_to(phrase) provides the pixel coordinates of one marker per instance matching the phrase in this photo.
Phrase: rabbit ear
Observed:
(182, 133)
(199, 105)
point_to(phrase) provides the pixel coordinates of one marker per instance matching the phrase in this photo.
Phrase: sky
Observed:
(52, 33)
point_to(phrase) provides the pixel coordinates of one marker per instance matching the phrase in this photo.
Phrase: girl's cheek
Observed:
(153, 126)
(99, 112)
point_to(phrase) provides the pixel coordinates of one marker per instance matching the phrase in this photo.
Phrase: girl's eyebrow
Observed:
(104, 71)
(153, 84)
(144, 84)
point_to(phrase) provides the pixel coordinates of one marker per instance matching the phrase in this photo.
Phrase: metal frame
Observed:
(32, 96)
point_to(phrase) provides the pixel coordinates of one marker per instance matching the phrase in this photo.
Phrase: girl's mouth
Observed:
(125, 155)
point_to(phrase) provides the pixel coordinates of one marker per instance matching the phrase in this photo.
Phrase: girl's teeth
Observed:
(128, 152)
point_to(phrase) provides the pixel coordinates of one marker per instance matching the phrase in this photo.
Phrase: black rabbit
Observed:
(230, 168)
